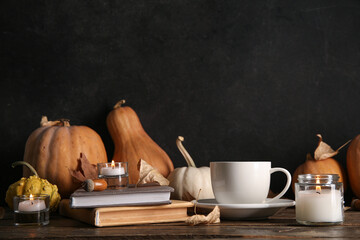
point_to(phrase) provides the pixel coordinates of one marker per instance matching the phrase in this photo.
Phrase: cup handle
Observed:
(288, 182)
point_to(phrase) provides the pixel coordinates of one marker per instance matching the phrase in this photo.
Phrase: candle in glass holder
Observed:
(31, 205)
(115, 174)
(112, 169)
(319, 199)
(31, 209)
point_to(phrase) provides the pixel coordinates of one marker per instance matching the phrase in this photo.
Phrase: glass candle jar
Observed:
(319, 199)
(31, 209)
(115, 174)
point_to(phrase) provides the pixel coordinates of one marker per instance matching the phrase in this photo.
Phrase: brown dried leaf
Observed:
(90, 170)
(86, 170)
(323, 151)
(148, 174)
(77, 175)
(213, 217)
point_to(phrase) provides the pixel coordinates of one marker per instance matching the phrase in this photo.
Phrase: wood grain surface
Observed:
(283, 226)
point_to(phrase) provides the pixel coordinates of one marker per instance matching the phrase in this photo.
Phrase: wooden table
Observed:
(283, 225)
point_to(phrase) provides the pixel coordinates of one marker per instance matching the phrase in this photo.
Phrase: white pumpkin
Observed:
(187, 181)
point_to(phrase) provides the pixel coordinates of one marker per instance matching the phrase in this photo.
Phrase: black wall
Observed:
(238, 79)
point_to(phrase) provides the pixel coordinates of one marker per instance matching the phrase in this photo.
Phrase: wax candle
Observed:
(112, 170)
(31, 210)
(319, 199)
(114, 173)
(31, 205)
(109, 171)
(319, 206)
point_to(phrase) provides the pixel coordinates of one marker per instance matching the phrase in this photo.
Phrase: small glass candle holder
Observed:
(319, 199)
(115, 174)
(31, 209)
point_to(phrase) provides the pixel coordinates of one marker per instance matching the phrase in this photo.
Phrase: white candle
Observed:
(31, 205)
(109, 171)
(319, 206)
(112, 170)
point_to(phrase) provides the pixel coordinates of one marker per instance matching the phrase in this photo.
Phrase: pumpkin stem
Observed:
(119, 103)
(183, 151)
(65, 122)
(309, 157)
(26, 164)
(44, 121)
(343, 145)
(61, 122)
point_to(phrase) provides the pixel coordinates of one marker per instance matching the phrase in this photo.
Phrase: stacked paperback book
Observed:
(133, 205)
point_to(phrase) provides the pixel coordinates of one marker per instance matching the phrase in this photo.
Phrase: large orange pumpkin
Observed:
(53, 150)
(132, 143)
(353, 165)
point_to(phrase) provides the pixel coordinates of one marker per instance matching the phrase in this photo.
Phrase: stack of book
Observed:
(133, 205)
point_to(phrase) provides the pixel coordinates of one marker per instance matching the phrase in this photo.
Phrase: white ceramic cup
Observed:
(244, 182)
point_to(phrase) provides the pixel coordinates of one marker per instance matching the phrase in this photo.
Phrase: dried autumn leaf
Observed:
(149, 174)
(86, 170)
(213, 217)
(324, 151)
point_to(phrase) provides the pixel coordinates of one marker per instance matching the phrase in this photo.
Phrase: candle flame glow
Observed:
(31, 197)
(318, 188)
(112, 164)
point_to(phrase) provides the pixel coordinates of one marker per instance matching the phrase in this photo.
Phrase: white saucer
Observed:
(244, 211)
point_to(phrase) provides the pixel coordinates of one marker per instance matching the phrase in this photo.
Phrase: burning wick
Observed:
(31, 198)
(112, 164)
(318, 188)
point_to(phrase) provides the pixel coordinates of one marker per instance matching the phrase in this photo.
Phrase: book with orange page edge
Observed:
(144, 194)
(149, 212)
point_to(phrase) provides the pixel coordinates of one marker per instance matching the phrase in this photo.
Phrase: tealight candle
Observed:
(112, 169)
(31, 209)
(115, 174)
(31, 205)
(319, 199)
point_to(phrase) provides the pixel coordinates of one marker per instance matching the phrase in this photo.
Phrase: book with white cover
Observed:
(142, 195)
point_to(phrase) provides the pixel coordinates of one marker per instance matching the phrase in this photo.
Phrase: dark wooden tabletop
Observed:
(282, 225)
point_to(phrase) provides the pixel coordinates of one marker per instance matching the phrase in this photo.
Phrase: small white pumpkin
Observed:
(187, 181)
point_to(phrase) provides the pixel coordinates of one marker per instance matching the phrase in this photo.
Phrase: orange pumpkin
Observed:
(353, 165)
(132, 143)
(322, 163)
(325, 166)
(53, 150)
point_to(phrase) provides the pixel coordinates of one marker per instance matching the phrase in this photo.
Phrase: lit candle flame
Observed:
(31, 197)
(112, 164)
(318, 188)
